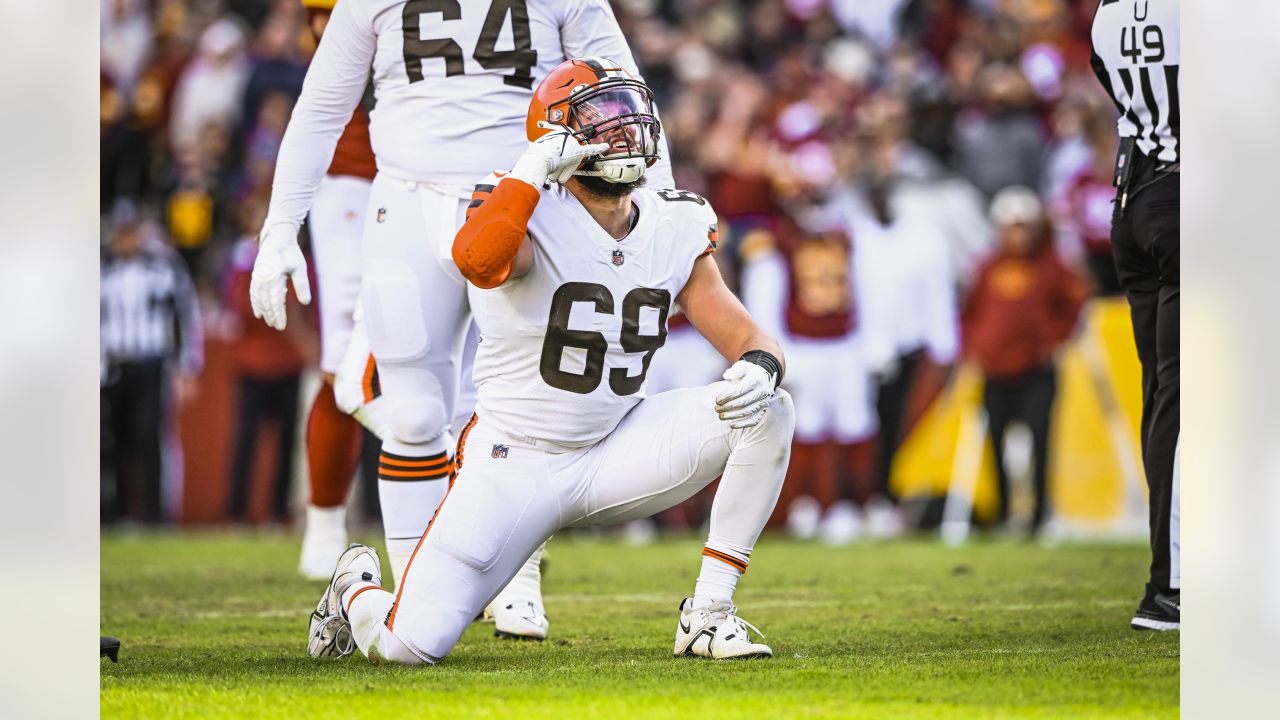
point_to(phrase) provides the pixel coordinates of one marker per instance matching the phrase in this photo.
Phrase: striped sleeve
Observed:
(713, 236)
(707, 224)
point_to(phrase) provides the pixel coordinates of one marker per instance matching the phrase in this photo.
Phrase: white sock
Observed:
(365, 605)
(412, 480)
(719, 575)
(326, 522)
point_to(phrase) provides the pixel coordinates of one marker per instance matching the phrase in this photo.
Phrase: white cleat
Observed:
(329, 634)
(520, 620)
(841, 525)
(884, 520)
(323, 540)
(804, 516)
(715, 631)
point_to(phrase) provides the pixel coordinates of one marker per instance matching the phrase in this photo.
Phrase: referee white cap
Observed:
(1016, 204)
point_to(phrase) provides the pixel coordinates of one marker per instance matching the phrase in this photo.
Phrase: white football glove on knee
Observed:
(279, 257)
(743, 405)
(553, 157)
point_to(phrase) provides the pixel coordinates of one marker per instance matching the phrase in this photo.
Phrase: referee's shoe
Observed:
(1158, 610)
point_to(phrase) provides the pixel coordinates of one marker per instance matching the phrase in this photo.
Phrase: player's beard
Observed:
(604, 189)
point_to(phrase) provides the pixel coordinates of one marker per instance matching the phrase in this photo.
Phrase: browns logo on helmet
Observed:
(600, 102)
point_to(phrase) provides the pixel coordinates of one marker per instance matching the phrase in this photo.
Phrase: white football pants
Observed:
(415, 312)
(336, 223)
(510, 496)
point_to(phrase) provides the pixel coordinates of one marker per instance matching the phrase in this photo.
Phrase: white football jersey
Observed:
(452, 83)
(564, 349)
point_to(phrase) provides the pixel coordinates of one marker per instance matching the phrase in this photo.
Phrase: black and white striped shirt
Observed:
(1136, 53)
(149, 311)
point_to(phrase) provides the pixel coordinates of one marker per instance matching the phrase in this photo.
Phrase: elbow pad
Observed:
(486, 246)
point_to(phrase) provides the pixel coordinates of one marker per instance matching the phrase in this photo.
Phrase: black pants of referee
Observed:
(133, 415)
(892, 396)
(261, 401)
(1027, 397)
(1144, 236)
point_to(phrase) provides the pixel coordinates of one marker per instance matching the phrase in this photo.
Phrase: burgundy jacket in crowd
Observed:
(261, 352)
(1020, 311)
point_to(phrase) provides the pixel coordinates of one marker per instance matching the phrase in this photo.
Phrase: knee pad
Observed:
(418, 420)
(391, 301)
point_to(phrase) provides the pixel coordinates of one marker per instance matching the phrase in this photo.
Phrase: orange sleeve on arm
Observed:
(497, 221)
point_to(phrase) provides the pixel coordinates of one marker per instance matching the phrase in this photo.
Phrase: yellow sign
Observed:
(1095, 463)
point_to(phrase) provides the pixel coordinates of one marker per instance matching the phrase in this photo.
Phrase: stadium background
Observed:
(769, 107)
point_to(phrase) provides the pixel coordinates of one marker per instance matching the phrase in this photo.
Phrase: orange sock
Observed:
(333, 449)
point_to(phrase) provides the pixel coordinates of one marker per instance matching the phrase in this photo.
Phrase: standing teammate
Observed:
(452, 86)
(809, 298)
(572, 285)
(1136, 56)
(333, 436)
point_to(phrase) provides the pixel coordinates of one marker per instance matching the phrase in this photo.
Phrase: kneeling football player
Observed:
(573, 268)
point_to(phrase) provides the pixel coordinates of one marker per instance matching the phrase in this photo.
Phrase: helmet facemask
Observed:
(618, 111)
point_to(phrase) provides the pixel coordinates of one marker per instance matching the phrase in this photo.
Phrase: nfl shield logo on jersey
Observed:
(500, 451)
(618, 257)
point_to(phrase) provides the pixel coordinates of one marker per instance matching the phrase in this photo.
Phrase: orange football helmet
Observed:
(600, 102)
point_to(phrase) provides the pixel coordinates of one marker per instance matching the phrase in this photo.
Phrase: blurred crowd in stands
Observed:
(853, 149)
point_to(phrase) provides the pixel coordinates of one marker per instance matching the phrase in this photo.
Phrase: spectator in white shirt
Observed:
(908, 309)
(211, 89)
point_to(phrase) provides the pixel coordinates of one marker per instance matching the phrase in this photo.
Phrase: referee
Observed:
(1136, 57)
(150, 326)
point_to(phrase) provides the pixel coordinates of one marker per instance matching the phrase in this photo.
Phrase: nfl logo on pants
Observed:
(499, 451)
(618, 257)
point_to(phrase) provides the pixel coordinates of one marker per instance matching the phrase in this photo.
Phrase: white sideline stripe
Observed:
(1058, 605)
(583, 597)
(666, 598)
(224, 615)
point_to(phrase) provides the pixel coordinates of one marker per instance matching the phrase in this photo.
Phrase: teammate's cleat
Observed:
(323, 540)
(804, 515)
(841, 524)
(1158, 611)
(884, 519)
(715, 631)
(520, 620)
(329, 634)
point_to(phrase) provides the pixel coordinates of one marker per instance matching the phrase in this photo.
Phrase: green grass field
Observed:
(214, 625)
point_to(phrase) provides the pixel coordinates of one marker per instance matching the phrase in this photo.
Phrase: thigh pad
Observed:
(392, 304)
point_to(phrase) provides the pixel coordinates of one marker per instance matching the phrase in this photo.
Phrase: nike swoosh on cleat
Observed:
(684, 628)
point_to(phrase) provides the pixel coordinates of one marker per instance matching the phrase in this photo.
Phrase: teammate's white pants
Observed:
(831, 383)
(415, 311)
(510, 496)
(358, 387)
(336, 223)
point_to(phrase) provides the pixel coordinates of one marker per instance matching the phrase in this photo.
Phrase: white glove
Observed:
(278, 257)
(554, 156)
(744, 403)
